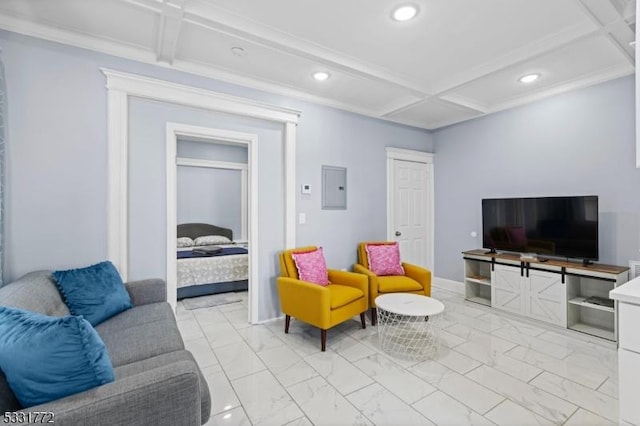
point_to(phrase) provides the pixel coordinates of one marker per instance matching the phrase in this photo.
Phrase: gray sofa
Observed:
(157, 381)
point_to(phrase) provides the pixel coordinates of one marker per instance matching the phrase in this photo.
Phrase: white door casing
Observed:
(410, 205)
(120, 87)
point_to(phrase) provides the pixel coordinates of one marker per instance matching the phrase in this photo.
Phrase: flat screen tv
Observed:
(552, 226)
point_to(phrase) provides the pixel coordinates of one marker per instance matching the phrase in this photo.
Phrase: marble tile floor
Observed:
(492, 368)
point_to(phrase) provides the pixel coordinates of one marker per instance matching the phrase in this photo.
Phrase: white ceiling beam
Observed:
(463, 101)
(152, 5)
(591, 79)
(207, 16)
(169, 30)
(538, 48)
(400, 105)
(224, 22)
(606, 28)
(595, 33)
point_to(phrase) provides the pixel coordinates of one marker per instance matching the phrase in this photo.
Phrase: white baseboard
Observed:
(449, 285)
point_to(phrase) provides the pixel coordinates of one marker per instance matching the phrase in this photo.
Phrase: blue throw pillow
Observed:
(95, 292)
(47, 358)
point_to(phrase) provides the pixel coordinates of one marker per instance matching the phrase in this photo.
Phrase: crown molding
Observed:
(139, 54)
(162, 90)
(281, 41)
(84, 41)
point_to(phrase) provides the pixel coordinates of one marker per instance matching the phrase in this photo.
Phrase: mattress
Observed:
(211, 270)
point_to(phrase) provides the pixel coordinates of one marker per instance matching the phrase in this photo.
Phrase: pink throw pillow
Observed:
(312, 266)
(384, 259)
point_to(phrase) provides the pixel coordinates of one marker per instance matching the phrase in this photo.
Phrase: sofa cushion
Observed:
(137, 342)
(96, 292)
(148, 364)
(139, 315)
(35, 292)
(8, 401)
(394, 284)
(47, 358)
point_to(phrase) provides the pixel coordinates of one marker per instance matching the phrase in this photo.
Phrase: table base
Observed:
(410, 337)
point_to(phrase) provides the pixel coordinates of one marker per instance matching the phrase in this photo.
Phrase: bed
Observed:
(209, 262)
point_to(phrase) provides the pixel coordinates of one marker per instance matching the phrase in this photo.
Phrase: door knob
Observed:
(398, 233)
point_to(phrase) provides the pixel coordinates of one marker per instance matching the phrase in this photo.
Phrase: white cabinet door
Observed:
(507, 289)
(629, 375)
(546, 297)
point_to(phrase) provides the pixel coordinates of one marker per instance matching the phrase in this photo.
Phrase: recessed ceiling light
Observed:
(321, 75)
(405, 12)
(239, 51)
(529, 78)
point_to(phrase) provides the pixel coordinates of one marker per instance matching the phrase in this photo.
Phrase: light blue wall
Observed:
(334, 138)
(207, 195)
(210, 195)
(577, 143)
(212, 151)
(147, 193)
(57, 168)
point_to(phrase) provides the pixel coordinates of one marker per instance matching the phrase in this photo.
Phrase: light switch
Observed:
(306, 188)
(302, 218)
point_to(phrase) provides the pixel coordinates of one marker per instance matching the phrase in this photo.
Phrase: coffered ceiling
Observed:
(456, 60)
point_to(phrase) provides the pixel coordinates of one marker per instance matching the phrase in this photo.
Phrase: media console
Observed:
(564, 293)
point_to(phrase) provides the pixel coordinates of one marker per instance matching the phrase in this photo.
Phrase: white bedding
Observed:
(211, 270)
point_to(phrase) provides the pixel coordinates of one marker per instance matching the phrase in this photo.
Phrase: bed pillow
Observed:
(312, 266)
(185, 242)
(95, 292)
(47, 358)
(384, 259)
(211, 240)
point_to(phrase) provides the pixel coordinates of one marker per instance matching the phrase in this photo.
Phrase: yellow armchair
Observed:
(416, 280)
(320, 306)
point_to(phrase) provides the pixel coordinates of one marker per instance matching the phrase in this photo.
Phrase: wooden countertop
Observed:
(594, 267)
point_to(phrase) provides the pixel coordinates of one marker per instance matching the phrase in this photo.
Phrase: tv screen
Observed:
(553, 226)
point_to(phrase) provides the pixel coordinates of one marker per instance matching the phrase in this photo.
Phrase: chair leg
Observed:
(374, 316)
(323, 339)
(364, 325)
(287, 321)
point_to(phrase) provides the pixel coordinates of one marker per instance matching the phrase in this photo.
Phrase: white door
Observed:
(546, 298)
(410, 214)
(507, 289)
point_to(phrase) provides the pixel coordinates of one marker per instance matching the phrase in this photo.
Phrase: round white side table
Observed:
(409, 324)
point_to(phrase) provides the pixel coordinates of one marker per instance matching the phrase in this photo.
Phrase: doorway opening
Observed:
(222, 230)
